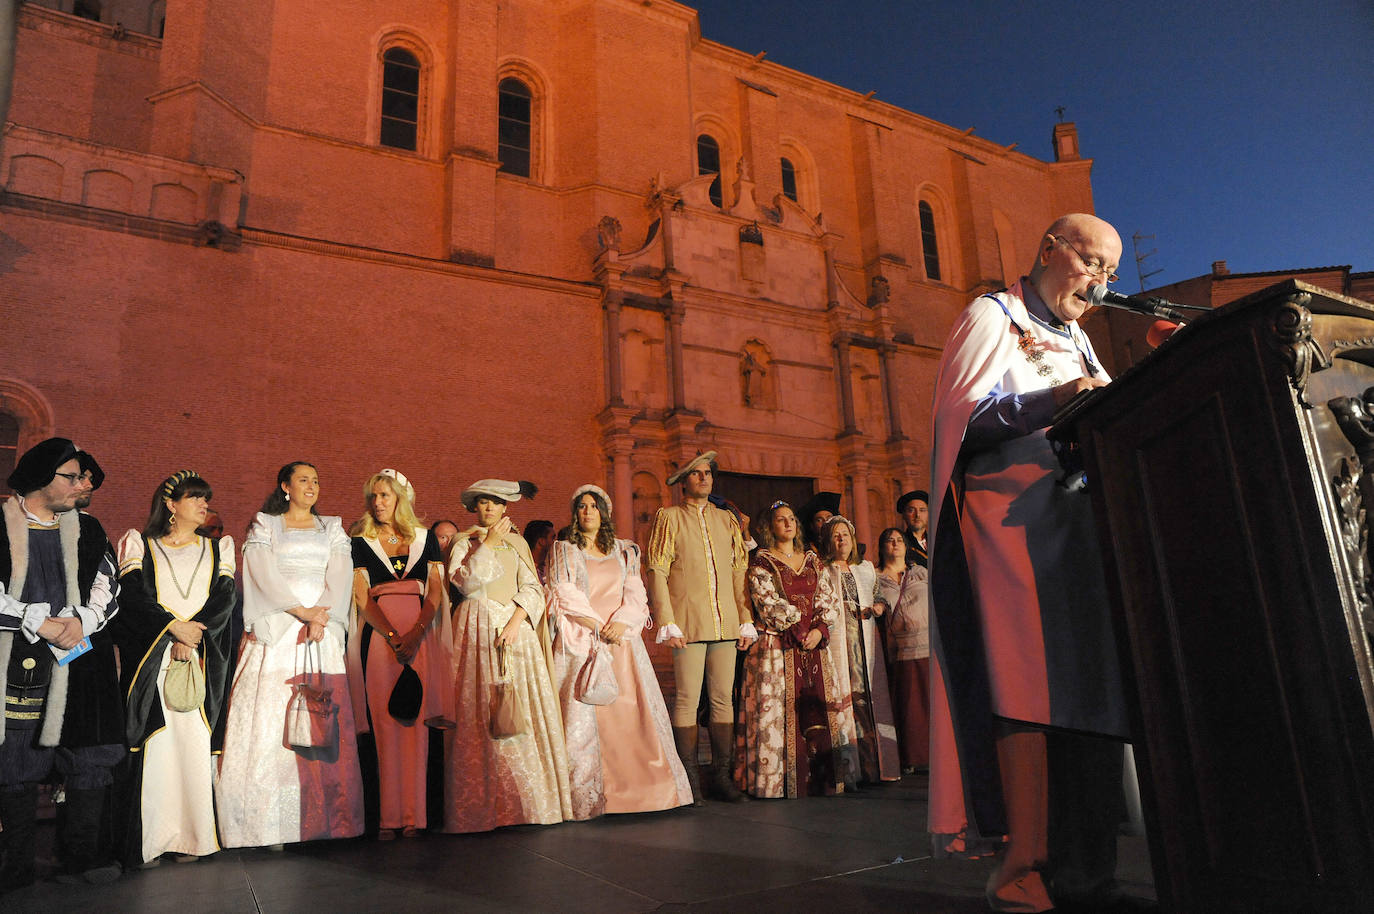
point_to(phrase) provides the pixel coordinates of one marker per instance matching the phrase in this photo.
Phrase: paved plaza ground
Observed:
(861, 852)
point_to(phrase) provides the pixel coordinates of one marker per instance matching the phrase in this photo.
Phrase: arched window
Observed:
(515, 127)
(789, 180)
(708, 163)
(9, 443)
(929, 245)
(400, 126)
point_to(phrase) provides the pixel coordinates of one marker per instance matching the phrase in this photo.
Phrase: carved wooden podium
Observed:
(1232, 475)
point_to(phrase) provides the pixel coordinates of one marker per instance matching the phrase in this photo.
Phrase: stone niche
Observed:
(753, 266)
(758, 376)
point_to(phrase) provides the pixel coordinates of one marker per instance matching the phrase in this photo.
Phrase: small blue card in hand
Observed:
(66, 657)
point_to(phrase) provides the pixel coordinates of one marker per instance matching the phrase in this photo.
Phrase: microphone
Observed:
(1099, 294)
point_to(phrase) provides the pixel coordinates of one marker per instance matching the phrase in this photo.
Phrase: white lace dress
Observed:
(268, 793)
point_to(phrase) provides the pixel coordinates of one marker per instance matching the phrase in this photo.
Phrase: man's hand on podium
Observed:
(1065, 392)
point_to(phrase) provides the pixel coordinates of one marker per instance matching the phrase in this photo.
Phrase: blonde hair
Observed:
(403, 521)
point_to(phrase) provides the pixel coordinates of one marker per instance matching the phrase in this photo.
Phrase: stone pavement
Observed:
(861, 852)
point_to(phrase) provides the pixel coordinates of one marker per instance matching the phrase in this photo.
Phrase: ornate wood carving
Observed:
(1353, 488)
(1292, 335)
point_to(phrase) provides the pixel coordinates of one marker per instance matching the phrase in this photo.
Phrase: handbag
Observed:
(507, 710)
(312, 715)
(595, 683)
(406, 696)
(183, 688)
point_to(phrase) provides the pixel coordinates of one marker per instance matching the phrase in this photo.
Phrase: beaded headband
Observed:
(177, 479)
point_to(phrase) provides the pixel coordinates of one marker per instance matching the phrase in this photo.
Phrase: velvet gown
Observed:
(169, 797)
(795, 716)
(400, 586)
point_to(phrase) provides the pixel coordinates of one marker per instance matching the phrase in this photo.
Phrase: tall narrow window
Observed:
(9, 443)
(87, 9)
(928, 242)
(708, 163)
(789, 180)
(400, 99)
(514, 127)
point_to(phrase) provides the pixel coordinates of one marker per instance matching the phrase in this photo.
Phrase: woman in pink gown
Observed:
(621, 755)
(399, 631)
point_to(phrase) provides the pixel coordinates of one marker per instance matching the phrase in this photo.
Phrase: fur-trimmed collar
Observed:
(17, 530)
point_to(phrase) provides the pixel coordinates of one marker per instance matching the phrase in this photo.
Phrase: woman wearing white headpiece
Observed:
(621, 754)
(854, 644)
(502, 775)
(400, 670)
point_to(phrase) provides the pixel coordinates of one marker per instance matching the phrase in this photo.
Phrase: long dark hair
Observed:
(175, 487)
(605, 534)
(276, 502)
(882, 541)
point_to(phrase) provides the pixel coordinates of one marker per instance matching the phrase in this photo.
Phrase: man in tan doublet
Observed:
(696, 560)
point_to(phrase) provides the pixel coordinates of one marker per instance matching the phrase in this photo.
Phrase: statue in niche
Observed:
(608, 233)
(879, 291)
(756, 376)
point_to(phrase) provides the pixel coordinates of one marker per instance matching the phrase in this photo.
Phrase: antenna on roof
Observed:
(1141, 258)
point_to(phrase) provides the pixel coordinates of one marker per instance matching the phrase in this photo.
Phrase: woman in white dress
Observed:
(297, 585)
(503, 779)
(176, 597)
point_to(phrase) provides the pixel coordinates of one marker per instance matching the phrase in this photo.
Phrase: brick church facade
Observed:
(559, 240)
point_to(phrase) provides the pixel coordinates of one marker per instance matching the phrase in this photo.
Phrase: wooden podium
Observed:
(1232, 477)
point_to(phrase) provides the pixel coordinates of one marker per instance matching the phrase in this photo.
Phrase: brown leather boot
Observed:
(722, 760)
(685, 738)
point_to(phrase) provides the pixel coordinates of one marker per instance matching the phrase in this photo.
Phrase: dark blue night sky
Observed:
(1237, 131)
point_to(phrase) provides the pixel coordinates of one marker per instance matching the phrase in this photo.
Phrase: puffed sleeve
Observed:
(529, 592)
(266, 595)
(338, 577)
(662, 551)
(771, 608)
(472, 566)
(227, 564)
(564, 597)
(829, 602)
(129, 552)
(634, 603)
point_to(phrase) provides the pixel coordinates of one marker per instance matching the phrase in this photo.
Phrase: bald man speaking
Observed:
(1022, 632)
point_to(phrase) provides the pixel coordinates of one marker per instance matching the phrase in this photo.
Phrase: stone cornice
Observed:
(115, 153)
(96, 34)
(283, 241)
